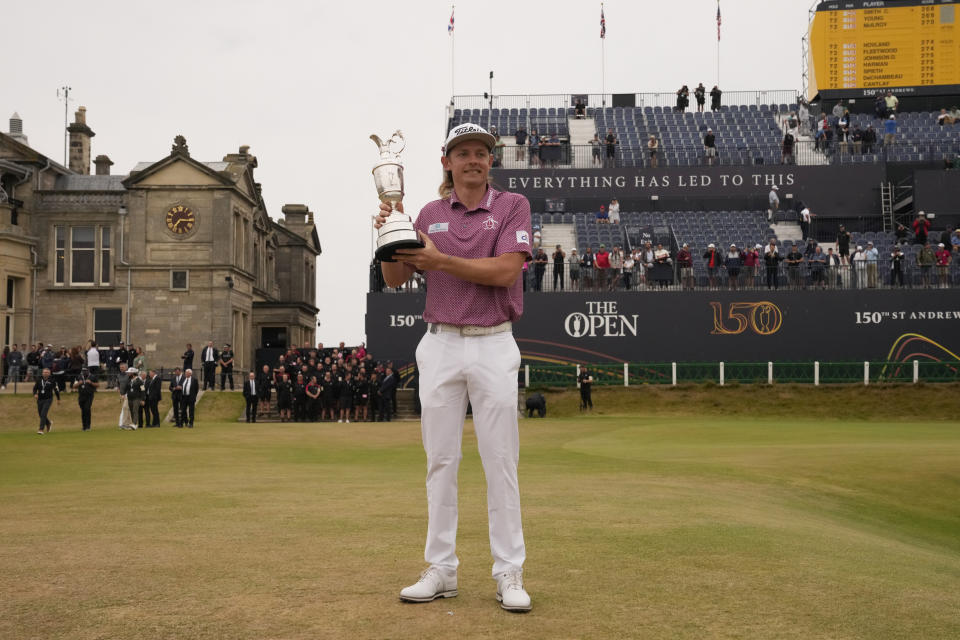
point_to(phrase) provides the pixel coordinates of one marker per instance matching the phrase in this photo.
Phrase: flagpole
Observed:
(453, 36)
(603, 59)
(718, 43)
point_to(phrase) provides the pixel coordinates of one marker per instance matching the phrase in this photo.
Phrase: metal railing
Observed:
(646, 99)
(25, 379)
(804, 152)
(621, 374)
(806, 275)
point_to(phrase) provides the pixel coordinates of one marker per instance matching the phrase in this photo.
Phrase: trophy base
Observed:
(385, 253)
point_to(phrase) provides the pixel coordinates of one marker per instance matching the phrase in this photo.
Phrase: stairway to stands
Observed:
(557, 234)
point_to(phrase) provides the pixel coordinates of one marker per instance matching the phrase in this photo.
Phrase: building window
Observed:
(179, 280)
(104, 255)
(108, 326)
(61, 257)
(83, 256)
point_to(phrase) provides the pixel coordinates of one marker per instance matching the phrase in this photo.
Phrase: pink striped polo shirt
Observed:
(499, 225)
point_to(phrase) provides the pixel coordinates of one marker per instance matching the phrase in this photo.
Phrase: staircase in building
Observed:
(552, 234)
(581, 133)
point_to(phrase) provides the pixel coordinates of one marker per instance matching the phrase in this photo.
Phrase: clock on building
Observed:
(181, 219)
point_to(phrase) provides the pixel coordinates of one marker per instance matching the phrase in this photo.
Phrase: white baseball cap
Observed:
(776, 188)
(711, 246)
(468, 131)
(759, 246)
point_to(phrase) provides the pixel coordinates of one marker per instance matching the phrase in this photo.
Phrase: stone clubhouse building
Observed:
(175, 251)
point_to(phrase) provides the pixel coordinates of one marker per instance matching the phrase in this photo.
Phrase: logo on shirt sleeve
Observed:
(437, 227)
(523, 237)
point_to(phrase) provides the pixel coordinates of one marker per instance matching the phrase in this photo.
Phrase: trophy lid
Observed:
(390, 149)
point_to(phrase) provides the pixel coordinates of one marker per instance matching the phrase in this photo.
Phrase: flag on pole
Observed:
(450, 26)
(718, 20)
(603, 23)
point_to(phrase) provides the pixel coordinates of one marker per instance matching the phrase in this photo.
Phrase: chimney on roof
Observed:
(295, 214)
(103, 164)
(80, 135)
(16, 129)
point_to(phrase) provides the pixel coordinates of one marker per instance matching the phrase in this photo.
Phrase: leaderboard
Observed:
(863, 47)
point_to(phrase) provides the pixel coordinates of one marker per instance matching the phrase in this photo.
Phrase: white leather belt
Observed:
(469, 330)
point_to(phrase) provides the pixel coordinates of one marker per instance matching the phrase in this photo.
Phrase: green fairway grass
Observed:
(666, 520)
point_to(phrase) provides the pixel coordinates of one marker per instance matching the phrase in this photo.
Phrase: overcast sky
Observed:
(305, 84)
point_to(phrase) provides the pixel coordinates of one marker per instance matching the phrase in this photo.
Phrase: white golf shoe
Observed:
(510, 592)
(434, 583)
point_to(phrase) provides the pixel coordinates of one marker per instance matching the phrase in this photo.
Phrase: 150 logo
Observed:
(763, 318)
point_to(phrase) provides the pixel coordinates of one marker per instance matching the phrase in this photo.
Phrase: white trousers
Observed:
(125, 419)
(482, 370)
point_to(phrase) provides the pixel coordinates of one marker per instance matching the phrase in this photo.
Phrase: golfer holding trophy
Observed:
(475, 240)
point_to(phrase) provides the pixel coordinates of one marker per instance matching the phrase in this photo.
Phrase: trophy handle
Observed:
(397, 137)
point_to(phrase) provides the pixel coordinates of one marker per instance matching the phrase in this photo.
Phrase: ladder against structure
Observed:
(886, 205)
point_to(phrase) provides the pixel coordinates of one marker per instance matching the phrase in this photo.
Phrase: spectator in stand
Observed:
(284, 397)
(520, 137)
(837, 110)
(710, 146)
(616, 267)
(700, 94)
(869, 139)
(843, 244)
(832, 263)
(580, 110)
(925, 260)
(714, 260)
(732, 262)
(944, 118)
(685, 262)
(595, 150)
(843, 135)
(774, 199)
(715, 95)
(955, 241)
(300, 399)
(387, 387)
(32, 359)
(653, 146)
(889, 130)
(817, 263)
(539, 268)
(955, 114)
(901, 234)
(559, 258)
(602, 264)
(856, 137)
(810, 249)
(683, 98)
(921, 227)
(573, 263)
(627, 269)
(586, 266)
(794, 259)
(945, 238)
(943, 265)
(751, 260)
(806, 217)
(498, 148)
(613, 211)
(896, 267)
(611, 142)
(602, 216)
(803, 116)
(891, 103)
(534, 148)
(859, 261)
(647, 259)
(787, 155)
(662, 259)
(879, 107)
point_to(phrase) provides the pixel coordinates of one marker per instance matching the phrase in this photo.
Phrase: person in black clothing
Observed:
(153, 393)
(843, 244)
(771, 260)
(264, 382)
(536, 402)
(187, 357)
(251, 396)
(387, 388)
(586, 382)
(794, 260)
(896, 266)
(208, 358)
(710, 146)
(176, 396)
(135, 398)
(85, 386)
(361, 396)
(700, 93)
(579, 110)
(345, 400)
(715, 94)
(299, 399)
(226, 367)
(43, 391)
(329, 394)
(284, 397)
(539, 268)
(373, 399)
(558, 259)
(611, 141)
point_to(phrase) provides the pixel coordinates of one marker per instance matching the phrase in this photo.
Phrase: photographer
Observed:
(85, 385)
